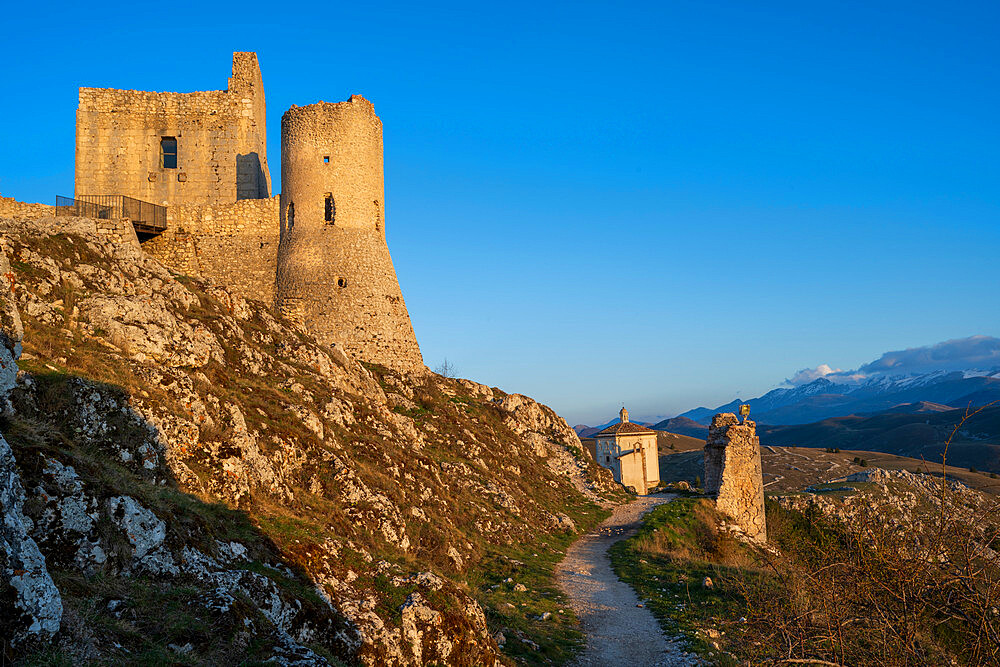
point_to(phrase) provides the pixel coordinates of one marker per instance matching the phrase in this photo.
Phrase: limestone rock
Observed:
(148, 330)
(418, 619)
(552, 438)
(66, 526)
(30, 604)
(11, 330)
(145, 532)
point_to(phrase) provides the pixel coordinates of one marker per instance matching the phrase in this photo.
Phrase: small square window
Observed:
(326, 159)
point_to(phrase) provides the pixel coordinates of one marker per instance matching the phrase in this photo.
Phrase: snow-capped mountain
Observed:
(823, 398)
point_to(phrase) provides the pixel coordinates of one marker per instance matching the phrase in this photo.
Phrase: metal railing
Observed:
(147, 218)
(83, 209)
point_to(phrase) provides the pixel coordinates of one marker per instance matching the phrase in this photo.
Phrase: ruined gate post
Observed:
(733, 473)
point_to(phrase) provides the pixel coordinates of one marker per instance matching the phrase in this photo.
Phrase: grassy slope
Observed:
(294, 532)
(825, 591)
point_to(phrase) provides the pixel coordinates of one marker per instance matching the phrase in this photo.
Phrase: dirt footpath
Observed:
(618, 632)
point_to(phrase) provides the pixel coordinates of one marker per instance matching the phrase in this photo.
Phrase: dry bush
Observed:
(870, 591)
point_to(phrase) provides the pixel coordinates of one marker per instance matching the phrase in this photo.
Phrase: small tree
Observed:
(445, 369)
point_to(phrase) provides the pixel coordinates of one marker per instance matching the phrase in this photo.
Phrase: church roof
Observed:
(623, 428)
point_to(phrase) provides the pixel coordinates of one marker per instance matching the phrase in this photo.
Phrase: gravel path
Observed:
(618, 632)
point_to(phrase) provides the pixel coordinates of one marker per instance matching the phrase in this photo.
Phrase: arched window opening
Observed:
(291, 215)
(168, 152)
(378, 216)
(329, 208)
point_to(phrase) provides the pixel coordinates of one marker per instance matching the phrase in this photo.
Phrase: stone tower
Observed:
(335, 275)
(733, 473)
(207, 147)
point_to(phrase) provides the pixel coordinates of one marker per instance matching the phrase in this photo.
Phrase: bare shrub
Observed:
(446, 369)
(877, 590)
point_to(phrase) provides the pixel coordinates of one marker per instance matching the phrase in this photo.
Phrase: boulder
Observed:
(30, 604)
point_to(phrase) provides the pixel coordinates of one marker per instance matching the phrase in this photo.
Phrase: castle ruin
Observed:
(334, 272)
(205, 147)
(317, 252)
(733, 473)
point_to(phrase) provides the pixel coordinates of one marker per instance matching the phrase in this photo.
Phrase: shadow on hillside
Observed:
(113, 451)
(682, 466)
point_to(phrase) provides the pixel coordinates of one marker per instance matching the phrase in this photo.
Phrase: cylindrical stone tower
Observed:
(335, 275)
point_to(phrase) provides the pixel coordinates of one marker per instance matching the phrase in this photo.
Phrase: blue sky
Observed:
(661, 204)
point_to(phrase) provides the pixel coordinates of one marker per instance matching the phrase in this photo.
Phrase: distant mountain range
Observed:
(585, 431)
(683, 426)
(822, 398)
(918, 430)
(906, 402)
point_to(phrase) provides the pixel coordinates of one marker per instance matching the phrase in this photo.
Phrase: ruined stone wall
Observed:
(733, 473)
(19, 209)
(116, 231)
(221, 146)
(234, 244)
(335, 274)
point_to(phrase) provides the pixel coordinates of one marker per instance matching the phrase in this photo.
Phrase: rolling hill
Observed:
(917, 430)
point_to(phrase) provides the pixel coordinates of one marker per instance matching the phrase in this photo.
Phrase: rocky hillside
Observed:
(186, 478)
(876, 568)
(907, 503)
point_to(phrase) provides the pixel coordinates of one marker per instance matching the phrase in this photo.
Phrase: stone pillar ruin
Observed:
(733, 473)
(334, 273)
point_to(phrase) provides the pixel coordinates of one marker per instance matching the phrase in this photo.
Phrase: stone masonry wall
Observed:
(335, 275)
(733, 473)
(118, 231)
(221, 146)
(10, 207)
(234, 244)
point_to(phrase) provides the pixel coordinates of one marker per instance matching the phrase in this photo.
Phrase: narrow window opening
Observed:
(168, 152)
(326, 159)
(378, 216)
(341, 282)
(291, 215)
(329, 208)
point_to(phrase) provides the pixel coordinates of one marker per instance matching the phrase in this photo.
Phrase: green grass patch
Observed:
(530, 640)
(676, 548)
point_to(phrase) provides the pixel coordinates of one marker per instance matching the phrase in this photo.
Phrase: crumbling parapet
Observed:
(733, 473)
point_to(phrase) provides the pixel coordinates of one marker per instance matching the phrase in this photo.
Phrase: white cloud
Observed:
(972, 353)
(807, 375)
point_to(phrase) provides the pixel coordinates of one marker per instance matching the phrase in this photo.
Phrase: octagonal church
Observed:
(629, 451)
